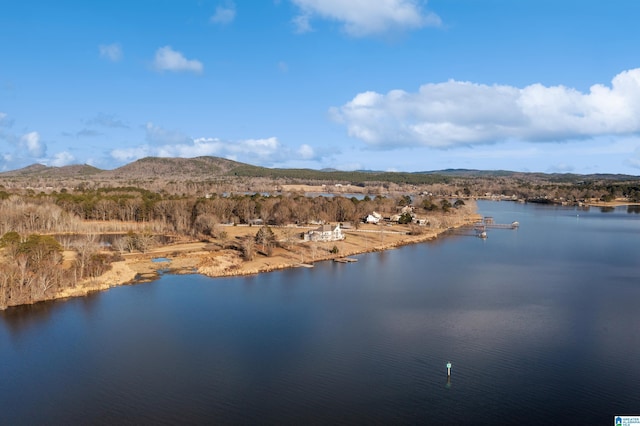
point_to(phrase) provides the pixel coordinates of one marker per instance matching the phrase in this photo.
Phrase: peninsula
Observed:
(67, 231)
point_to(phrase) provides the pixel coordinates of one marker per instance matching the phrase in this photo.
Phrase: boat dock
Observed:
(479, 229)
(488, 222)
(345, 260)
(304, 265)
(513, 225)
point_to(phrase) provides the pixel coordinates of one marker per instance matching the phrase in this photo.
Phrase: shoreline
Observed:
(196, 258)
(610, 203)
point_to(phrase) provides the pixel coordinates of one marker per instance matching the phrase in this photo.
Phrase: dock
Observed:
(479, 229)
(488, 222)
(304, 265)
(513, 225)
(345, 260)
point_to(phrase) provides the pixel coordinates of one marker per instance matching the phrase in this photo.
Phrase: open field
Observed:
(334, 189)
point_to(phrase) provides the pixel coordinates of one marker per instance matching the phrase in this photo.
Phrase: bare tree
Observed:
(85, 248)
(120, 244)
(248, 248)
(145, 241)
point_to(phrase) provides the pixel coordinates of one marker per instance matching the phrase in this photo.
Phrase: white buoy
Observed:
(449, 369)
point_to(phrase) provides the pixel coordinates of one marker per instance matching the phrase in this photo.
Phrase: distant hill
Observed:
(208, 167)
(471, 172)
(40, 170)
(198, 167)
(552, 177)
(202, 168)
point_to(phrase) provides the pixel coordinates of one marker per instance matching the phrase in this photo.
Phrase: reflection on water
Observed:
(633, 209)
(19, 319)
(540, 324)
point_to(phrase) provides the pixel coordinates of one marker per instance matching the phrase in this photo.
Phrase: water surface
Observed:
(542, 325)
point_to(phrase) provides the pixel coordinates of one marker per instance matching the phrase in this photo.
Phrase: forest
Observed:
(52, 241)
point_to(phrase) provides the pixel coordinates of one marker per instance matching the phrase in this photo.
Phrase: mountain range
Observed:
(214, 167)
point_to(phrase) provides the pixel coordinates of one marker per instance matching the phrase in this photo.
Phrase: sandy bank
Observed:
(218, 260)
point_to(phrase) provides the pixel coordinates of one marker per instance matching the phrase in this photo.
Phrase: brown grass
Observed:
(219, 258)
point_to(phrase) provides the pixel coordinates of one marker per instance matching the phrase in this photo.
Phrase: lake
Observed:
(541, 325)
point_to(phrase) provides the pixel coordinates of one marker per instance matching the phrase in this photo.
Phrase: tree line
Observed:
(32, 267)
(189, 215)
(36, 228)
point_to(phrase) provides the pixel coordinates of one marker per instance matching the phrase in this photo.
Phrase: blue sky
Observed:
(404, 85)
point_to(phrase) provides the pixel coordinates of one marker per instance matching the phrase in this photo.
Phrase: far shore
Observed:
(207, 258)
(616, 203)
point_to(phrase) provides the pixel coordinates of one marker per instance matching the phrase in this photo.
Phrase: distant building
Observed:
(374, 217)
(325, 233)
(406, 209)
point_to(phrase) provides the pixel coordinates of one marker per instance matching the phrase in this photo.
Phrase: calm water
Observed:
(542, 326)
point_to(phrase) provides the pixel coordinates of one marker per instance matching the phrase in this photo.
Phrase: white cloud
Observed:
(31, 142)
(161, 142)
(458, 113)
(167, 59)
(365, 17)
(258, 150)
(125, 155)
(263, 149)
(61, 159)
(26, 149)
(19, 149)
(224, 14)
(306, 152)
(111, 52)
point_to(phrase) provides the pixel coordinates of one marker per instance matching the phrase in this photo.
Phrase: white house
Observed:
(374, 217)
(325, 233)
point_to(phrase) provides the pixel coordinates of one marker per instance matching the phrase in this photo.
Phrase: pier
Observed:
(479, 229)
(488, 222)
(345, 260)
